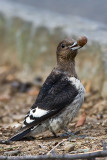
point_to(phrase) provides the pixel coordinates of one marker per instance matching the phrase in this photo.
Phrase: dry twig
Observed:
(104, 145)
(57, 157)
(56, 146)
(12, 153)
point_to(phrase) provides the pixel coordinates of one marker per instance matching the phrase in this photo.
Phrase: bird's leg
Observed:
(70, 134)
(67, 133)
(54, 134)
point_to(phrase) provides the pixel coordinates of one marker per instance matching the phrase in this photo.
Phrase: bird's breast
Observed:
(66, 116)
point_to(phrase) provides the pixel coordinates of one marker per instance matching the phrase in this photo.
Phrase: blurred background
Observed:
(30, 31)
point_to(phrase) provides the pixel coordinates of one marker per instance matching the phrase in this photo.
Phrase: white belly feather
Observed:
(60, 121)
(67, 115)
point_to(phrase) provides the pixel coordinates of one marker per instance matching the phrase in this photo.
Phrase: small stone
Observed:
(83, 150)
(69, 147)
(104, 122)
(72, 140)
(0, 133)
(12, 153)
(90, 138)
(99, 116)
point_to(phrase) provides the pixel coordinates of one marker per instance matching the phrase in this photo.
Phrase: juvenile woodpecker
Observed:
(60, 97)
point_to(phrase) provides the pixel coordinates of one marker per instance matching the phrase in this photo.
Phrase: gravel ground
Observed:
(15, 101)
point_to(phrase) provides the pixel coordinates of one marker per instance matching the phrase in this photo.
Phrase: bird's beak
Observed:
(75, 46)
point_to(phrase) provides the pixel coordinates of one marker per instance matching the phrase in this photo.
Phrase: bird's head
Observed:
(68, 49)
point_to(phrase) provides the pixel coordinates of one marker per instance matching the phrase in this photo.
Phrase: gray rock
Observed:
(69, 146)
(30, 36)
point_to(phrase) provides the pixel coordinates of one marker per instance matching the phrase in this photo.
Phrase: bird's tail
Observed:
(20, 135)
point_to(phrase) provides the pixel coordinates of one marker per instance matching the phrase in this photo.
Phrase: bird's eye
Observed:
(62, 45)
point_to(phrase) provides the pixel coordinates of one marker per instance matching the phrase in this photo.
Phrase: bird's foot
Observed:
(67, 134)
(72, 135)
(54, 134)
(77, 136)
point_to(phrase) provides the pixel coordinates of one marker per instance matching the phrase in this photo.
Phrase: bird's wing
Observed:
(56, 93)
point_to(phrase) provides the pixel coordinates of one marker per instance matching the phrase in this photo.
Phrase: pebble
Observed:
(90, 138)
(12, 153)
(99, 116)
(104, 123)
(83, 150)
(0, 133)
(69, 147)
(73, 140)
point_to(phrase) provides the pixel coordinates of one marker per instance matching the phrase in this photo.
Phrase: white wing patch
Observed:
(34, 113)
(76, 82)
(37, 112)
(28, 120)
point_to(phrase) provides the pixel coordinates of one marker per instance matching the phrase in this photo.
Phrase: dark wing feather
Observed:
(55, 94)
(49, 83)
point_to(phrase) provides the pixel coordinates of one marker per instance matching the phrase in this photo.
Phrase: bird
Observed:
(60, 97)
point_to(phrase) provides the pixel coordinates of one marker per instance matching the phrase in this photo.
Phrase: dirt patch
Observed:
(91, 135)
